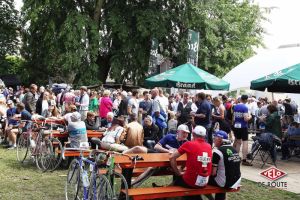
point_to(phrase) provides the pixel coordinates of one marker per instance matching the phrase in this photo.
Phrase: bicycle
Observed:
(41, 146)
(83, 179)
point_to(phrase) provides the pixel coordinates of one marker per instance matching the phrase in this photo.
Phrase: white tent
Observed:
(260, 65)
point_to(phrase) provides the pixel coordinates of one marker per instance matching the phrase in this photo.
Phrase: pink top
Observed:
(69, 98)
(105, 106)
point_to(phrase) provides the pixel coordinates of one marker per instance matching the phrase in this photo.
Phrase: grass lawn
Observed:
(19, 182)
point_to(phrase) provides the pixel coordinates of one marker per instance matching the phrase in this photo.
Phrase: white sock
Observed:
(10, 143)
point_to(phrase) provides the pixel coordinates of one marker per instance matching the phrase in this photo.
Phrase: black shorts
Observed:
(241, 133)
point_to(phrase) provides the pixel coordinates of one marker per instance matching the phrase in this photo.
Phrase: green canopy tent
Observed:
(286, 80)
(187, 76)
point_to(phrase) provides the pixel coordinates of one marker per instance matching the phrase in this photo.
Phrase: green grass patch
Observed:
(22, 182)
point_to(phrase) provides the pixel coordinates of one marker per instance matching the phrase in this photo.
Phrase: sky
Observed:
(282, 29)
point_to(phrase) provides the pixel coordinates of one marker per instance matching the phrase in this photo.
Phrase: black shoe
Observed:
(249, 156)
(246, 163)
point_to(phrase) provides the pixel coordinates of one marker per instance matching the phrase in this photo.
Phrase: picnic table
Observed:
(90, 134)
(161, 160)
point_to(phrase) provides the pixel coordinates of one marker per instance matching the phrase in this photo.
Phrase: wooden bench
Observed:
(90, 134)
(173, 191)
(71, 153)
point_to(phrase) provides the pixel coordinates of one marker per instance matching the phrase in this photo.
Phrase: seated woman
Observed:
(77, 130)
(291, 141)
(92, 122)
(106, 122)
(111, 137)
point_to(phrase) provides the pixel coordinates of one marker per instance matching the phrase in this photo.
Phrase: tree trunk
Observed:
(104, 67)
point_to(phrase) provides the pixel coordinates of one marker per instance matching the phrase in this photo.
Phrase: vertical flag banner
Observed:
(193, 46)
(153, 60)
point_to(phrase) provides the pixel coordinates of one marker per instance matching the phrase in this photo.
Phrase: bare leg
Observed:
(237, 145)
(137, 149)
(245, 149)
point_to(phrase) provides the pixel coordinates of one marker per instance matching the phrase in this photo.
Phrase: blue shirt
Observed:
(239, 111)
(25, 115)
(203, 108)
(10, 113)
(170, 141)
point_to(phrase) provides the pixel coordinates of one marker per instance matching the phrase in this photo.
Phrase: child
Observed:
(172, 123)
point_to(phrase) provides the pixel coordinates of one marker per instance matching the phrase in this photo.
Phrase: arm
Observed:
(160, 149)
(173, 163)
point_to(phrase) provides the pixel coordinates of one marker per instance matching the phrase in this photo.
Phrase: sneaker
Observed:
(246, 163)
(11, 147)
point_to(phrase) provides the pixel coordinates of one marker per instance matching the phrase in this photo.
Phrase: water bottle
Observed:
(85, 179)
(32, 143)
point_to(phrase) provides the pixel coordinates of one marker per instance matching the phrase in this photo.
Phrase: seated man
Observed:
(151, 132)
(10, 123)
(226, 165)
(24, 115)
(106, 122)
(198, 163)
(92, 122)
(134, 133)
(77, 130)
(291, 141)
(167, 144)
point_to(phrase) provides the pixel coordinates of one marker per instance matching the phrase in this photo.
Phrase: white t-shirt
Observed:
(164, 102)
(111, 136)
(44, 107)
(133, 103)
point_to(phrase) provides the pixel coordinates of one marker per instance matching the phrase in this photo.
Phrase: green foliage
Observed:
(82, 42)
(9, 21)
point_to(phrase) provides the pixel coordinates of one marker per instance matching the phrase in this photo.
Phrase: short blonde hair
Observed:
(106, 93)
(172, 115)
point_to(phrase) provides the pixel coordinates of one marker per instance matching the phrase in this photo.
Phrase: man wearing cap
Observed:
(77, 130)
(241, 116)
(198, 163)
(83, 103)
(226, 165)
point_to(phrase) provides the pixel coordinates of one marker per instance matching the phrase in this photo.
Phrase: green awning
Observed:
(286, 80)
(187, 76)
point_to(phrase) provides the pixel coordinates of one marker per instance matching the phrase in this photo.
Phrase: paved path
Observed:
(291, 167)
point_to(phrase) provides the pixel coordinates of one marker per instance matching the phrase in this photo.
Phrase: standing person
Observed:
(145, 105)
(164, 102)
(218, 115)
(83, 102)
(133, 104)
(105, 104)
(31, 98)
(241, 116)
(123, 105)
(198, 163)
(42, 104)
(68, 98)
(202, 116)
(184, 112)
(226, 161)
(94, 104)
(158, 114)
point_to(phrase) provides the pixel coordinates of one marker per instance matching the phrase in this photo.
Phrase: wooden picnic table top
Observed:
(149, 160)
(90, 134)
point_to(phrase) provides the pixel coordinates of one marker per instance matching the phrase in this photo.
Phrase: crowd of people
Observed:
(150, 121)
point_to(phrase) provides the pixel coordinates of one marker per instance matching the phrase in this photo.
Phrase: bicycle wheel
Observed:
(119, 183)
(22, 147)
(50, 159)
(103, 188)
(73, 181)
(38, 151)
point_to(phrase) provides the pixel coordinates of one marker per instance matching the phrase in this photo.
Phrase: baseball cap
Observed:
(9, 102)
(184, 128)
(200, 131)
(76, 116)
(221, 134)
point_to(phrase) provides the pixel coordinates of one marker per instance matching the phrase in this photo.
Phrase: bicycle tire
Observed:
(123, 182)
(73, 181)
(103, 188)
(50, 158)
(39, 148)
(22, 147)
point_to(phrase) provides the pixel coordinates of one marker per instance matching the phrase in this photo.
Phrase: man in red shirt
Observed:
(198, 163)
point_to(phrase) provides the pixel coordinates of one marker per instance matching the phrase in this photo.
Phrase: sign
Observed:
(204, 159)
(153, 60)
(273, 173)
(193, 46)
(186, 85)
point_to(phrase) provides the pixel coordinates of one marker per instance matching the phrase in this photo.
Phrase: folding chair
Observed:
(264, 155)
(264, 146)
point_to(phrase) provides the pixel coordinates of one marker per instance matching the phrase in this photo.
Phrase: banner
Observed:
(153, 60)
(193, 46)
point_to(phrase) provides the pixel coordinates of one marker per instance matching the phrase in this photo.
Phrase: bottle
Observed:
(85, 179)
(32, 143)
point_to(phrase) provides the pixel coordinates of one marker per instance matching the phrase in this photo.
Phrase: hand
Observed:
(77, 104)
